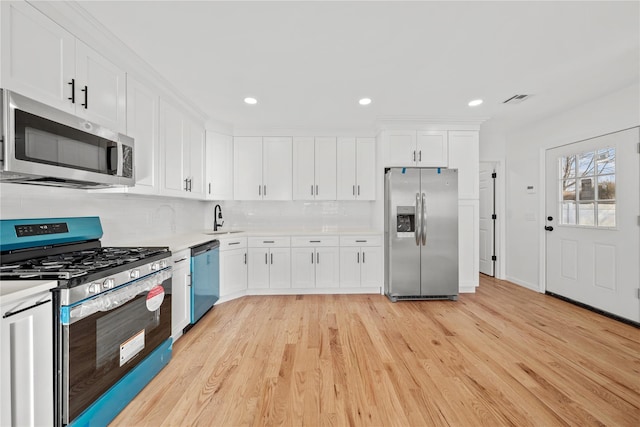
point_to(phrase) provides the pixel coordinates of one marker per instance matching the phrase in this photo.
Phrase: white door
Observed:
(277, 173)
(171, 134)
(195, 156)
(303, 168)
(350, 259)
(402, 149)
(371, 267)
(325, 168)
(592, 237)
(258, 269)
(327, 267)
(303, 268)
(432, 149)
(365, 168)
(219, 149)
(346, 170)
(247, 168)
(279, 268)
(233, 271)
(487, 223)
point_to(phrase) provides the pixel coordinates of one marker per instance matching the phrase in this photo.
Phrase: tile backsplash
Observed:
(125, 218)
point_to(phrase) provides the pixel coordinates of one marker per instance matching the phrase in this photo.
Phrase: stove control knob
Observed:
(155, 266)
(94, 288)
(163, 264)
(134, 274)
(108, 284)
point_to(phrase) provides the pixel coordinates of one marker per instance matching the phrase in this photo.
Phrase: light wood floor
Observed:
(504, 356)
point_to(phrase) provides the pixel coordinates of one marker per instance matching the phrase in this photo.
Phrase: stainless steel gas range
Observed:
(112, 311)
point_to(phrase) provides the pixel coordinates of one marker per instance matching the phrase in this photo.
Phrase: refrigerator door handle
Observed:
(418, 215)
(423, 232)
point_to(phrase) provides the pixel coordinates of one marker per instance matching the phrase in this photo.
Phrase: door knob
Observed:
(549, 218)
(548, 228)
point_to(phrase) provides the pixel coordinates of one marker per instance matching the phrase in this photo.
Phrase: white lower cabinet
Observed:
(181, 296)
(269, 263)
(360, 261)
(26, 361)
(233, 266)
(315, 262)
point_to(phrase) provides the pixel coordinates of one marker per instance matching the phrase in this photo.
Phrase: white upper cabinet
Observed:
(314, 168)
(182, 142)
(219, 166)
(416, 149)
(356, 168)
(142, 125)
(262, 168)
(43, 61)
(464, 155)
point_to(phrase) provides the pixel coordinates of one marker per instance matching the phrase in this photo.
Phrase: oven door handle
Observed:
(111, 300)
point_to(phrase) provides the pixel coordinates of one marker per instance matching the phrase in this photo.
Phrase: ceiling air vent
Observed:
(516, 99)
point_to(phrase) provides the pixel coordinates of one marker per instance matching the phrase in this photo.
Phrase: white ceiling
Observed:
(308, 63)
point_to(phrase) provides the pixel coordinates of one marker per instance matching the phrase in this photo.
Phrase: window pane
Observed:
(585, 164)
(568, 214)
(587, 191)
(607, 187)
(567, 167)
(607, 214)
(606, 160)
(586, 214)
(569, 190)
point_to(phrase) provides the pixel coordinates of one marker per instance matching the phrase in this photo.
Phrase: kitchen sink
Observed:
(219, 233)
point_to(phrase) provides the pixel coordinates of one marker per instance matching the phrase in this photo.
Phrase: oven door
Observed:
(105, 337)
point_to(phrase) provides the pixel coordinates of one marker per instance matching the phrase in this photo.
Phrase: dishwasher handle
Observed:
(205, 247)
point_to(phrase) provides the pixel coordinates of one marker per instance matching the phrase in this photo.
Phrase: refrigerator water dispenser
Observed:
(406, 221)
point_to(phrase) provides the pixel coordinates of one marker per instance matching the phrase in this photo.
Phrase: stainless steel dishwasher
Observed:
(205, 278)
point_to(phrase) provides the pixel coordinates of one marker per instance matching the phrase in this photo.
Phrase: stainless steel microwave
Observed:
(45, 146)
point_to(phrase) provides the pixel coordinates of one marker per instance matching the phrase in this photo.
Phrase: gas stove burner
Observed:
(9, 267)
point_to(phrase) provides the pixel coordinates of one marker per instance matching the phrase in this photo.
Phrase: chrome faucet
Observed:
(217, 214)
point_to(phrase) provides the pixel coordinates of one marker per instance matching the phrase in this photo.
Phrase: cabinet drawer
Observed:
(372, 240)
(314, 241)
(180, 257)
(269, 242)
(234, 243)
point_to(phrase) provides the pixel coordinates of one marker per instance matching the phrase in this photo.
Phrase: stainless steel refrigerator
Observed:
(421, 233)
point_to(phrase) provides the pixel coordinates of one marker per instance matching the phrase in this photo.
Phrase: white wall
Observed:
(525, 165)
(294, 215)
(126, 219)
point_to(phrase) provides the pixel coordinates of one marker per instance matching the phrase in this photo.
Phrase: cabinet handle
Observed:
(245, 258)
(317, 258)
(265, 258)
(86, 97)
(414, 155)
(180, 260)
(73, 91)
(186, 184)
(312, 189)
(259, 190)
(361, 241)
(363, 257)
(311, 257)
(268, 241)
(13, 313)
(235, 243)
(314, 241)
(271, 258)
(358, 257)
(420, 155)
(354, 190)
(316, 189)
(209, 188)
(265, 191)
(358, 189)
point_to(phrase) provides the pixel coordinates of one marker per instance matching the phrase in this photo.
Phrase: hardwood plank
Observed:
(503, 356)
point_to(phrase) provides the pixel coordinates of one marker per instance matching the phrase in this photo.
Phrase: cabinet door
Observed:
(371, 266)
(346, 169)
(350, 259)
(195, 156)
(432, 148)
(258, 268)
(303, 268)
(279, 268)
(181, 298)
(170, 136)
(247, 168)
(277, 174)
(366, 169)
(325, 153)
(327, 267)
(101, 92)
(219, 166)
(303, 168)
(26, 364)
(464, 156)
(38, 56)
(401, 149)
(233, 271)
(142, 125)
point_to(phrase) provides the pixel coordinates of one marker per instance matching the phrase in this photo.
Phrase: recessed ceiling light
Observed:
(475, 102)
(365, 101)
(250, 101)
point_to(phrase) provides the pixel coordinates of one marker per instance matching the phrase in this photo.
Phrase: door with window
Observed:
(592, 222)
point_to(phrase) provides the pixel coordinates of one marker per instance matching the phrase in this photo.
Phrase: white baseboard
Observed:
(471, 289)
(313, 291)
(523, 283)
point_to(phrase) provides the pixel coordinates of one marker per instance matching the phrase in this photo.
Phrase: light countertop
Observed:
(14, 290)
